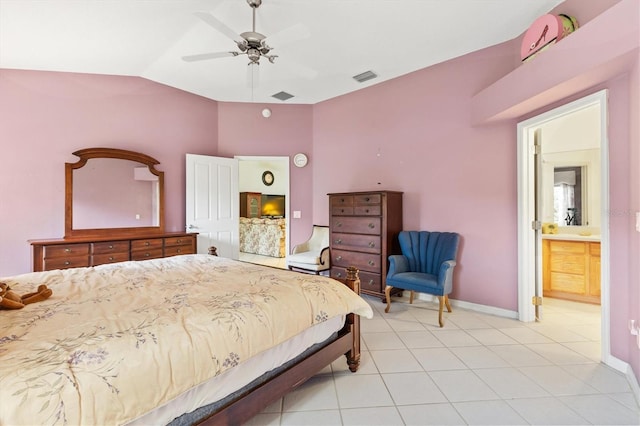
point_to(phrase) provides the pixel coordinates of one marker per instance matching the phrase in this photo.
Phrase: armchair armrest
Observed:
(397, 263)
(445, 275)
(300, 248)
(325, 256)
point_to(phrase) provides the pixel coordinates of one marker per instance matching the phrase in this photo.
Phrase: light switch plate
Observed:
(296, 214)
(638, 221)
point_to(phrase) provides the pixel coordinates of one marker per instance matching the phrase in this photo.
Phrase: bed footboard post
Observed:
(353, 320)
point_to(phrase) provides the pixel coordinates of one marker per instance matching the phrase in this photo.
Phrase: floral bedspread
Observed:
(263, 236)
(115, 341)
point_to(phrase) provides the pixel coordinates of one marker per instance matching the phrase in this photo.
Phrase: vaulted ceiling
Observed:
(321, 44)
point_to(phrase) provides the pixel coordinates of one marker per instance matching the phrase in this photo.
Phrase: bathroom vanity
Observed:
(571, 267)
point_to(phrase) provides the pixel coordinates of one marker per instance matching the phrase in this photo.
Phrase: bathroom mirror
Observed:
(571, 188)
(568, 201)
(113, 191)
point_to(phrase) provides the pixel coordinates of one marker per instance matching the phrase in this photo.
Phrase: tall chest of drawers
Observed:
(82, 252)
(364, 229)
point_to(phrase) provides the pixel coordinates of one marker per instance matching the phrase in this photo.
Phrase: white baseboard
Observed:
(485, 309)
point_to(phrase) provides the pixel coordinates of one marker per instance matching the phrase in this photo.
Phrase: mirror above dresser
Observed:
(114, 212)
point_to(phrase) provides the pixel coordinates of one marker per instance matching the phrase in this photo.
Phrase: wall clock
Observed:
(267, 178)
(300, 160)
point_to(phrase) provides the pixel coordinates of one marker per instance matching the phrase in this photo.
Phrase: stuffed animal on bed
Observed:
(9, 299)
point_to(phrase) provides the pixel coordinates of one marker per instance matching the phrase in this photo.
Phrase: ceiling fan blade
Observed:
(220, 26)
(253, 75)
(205, 56)
(289, 35)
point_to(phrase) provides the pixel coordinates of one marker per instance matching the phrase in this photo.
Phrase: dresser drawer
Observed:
(67, 250)
(342, 211)
(356, 225)
(362, 261)
(367, 210)
(178, 241)
(368, 281)
(176, 250)
(111, 247)
(66, 262)
(357, 242)
(341, 201)
(367, 199)
(152, 243)
(101, 259)
(147, 254)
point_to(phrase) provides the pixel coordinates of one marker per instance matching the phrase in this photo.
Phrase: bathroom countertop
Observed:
(572, 237)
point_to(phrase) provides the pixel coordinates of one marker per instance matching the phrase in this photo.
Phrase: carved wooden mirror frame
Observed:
(89, 153)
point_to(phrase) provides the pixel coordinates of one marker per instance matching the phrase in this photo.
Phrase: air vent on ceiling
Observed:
(367, 75)
(283, 96)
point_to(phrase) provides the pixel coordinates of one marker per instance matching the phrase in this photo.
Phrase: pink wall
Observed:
(45, 116)
(459, 177)
(244, 131)
(413, 134)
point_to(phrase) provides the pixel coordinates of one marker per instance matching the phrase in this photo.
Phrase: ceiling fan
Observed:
(250, 43)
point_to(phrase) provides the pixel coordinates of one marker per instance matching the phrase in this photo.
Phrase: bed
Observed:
(180, 340)
(264, 236)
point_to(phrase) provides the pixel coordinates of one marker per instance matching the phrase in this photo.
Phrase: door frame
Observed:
(287, 172)
(526, 211)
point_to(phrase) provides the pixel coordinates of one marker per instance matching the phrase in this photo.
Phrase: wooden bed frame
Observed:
(253, 401)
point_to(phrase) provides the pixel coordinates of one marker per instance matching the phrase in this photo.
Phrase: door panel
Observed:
(212, 203)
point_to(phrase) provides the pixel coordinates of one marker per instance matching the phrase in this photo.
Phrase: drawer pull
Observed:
(147, 243)
(111, 258)
(179, 251)
(366, 211)
(66, 262)
(338, 241)
(338, 274)
(342, 211)
(371, 225)
(110, 246)
(179, 241)
(67, 250)
(339, 224)
(371, 263)
(370, 282)
(372, 244)
(342, 200)
(339, 258)
(147, 254)
(367, 199)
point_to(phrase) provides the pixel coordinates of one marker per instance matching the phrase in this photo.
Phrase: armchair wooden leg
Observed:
(447, 303)
(387, 293)
(441, 299)
(411, 297)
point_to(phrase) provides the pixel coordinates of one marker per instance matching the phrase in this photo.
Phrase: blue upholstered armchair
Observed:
(426, 265)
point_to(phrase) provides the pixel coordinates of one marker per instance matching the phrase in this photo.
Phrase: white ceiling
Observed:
(147, 38)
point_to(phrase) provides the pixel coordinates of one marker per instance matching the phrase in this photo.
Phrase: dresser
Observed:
(364, 229)
(81, 252)
(250, 204)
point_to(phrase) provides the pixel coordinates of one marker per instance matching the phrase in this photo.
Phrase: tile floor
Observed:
(479, 369)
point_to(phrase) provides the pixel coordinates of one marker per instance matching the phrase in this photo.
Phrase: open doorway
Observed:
(263, 183)
(563, 237)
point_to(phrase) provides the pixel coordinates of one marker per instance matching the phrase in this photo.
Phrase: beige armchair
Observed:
(313, 254)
